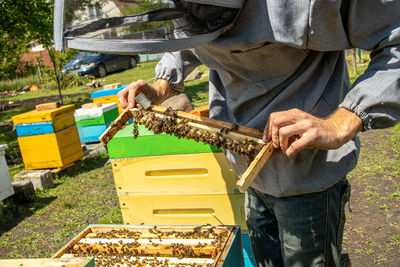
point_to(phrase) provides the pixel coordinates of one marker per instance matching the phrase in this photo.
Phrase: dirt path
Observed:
(372, 231)
(32, 102)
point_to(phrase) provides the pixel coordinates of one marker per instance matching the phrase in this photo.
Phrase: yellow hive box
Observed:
(56, 115)
(56, 150)
(108, 99)
(184, 209)
(202, 173)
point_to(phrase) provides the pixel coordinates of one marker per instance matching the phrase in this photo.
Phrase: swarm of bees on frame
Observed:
(171, 125)
(134, 253)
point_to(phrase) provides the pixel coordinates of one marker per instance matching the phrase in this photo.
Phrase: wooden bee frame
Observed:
(162, 245)
(210, 126)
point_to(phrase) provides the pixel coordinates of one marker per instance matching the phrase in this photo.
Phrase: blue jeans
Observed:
(304, 230)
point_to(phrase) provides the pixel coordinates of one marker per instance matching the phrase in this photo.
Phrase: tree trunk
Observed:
(355, 61)
(56, 73)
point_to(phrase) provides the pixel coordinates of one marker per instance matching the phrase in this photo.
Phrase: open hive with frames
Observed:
(143, 245)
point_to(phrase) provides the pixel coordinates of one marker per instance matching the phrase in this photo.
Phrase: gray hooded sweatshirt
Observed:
(289, 54)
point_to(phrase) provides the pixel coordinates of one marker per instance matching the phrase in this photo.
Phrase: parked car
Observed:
(97, 64)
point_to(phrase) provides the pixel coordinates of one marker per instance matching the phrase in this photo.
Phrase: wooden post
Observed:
(39, 70)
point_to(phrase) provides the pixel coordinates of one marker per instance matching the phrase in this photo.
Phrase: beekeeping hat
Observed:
(140, 26)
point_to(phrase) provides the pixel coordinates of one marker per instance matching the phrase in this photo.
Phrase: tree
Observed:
(24, 23)
(21, 23)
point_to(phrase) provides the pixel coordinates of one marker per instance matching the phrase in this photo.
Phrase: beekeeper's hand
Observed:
(157, 92)
(293, 130)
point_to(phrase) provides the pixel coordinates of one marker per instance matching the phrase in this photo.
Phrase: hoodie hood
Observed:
(105, 27)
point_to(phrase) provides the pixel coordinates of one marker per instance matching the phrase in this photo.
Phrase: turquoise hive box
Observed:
(94, 121)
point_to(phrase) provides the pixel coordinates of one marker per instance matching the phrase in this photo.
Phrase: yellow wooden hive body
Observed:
(54, 150)
(202, 173)
(221, 209)
(179, 189)
(44, 115)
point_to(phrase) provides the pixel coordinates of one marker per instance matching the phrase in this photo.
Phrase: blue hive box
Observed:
(44, 122)
(248, 255)
(107, 96)
(107, 92)
(28, 129)
(94, 121)
(91, 134)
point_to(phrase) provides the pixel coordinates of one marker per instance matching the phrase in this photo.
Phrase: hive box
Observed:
(6, 188)
(185, 174)
(44, 122)
(108, 96)
(55, 150)
(96, 116)
(248, 255)
(123, 145)
(161, 179)
(91, 134)
(171, 245)
(48, 138)
(93, 122)
(184, 209)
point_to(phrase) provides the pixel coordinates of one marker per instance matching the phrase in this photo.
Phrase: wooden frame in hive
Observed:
(138, 245)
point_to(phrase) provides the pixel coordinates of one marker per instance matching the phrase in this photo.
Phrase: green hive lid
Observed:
(88, 114)
(123, 145)
(96, 116)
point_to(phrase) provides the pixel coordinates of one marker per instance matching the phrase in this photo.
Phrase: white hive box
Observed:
(6, 188)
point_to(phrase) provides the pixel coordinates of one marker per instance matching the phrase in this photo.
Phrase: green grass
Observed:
(395, 139)
(143, 71)
(12, 153)
(360, 70)
(16, 84)
(5, 116)
(56, 215)
(77, 100)
(197, 90)
(49, 92)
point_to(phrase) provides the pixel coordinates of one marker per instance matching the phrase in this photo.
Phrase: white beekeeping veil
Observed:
(141, 26)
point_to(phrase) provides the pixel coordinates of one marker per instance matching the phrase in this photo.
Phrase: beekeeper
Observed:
(280, 66)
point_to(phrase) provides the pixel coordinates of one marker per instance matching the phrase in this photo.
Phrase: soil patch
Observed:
(372, 231)
(32, 102)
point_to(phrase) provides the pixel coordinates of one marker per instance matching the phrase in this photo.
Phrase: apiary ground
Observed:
(87, 196)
